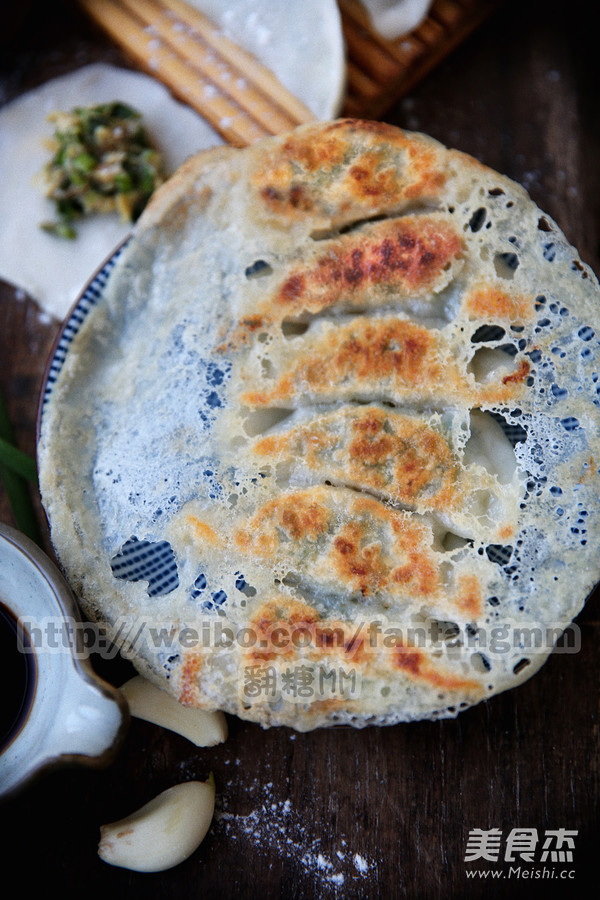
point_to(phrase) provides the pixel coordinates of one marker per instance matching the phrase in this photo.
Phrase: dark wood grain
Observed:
(295, 809)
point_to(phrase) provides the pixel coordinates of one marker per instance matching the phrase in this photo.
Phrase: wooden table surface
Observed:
(382, 812)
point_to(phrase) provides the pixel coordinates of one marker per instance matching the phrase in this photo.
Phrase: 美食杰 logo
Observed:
(521, 853)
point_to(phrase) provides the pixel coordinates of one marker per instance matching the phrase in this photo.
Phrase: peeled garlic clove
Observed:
(164, 832)
(148, 702)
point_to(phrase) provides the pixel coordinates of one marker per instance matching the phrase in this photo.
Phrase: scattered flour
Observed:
(360, 863)
(276, 829)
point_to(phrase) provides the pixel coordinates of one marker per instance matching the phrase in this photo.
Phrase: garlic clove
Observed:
(162, 833)
(146, 701)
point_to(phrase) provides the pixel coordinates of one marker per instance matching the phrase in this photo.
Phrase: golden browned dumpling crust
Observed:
(325, 448)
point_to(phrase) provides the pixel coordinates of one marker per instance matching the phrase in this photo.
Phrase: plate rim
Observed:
(88, 296)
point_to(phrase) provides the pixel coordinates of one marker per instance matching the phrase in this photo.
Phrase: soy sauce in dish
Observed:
(17, 675)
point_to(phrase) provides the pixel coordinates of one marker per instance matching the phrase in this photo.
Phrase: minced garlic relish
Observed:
(103, 162)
